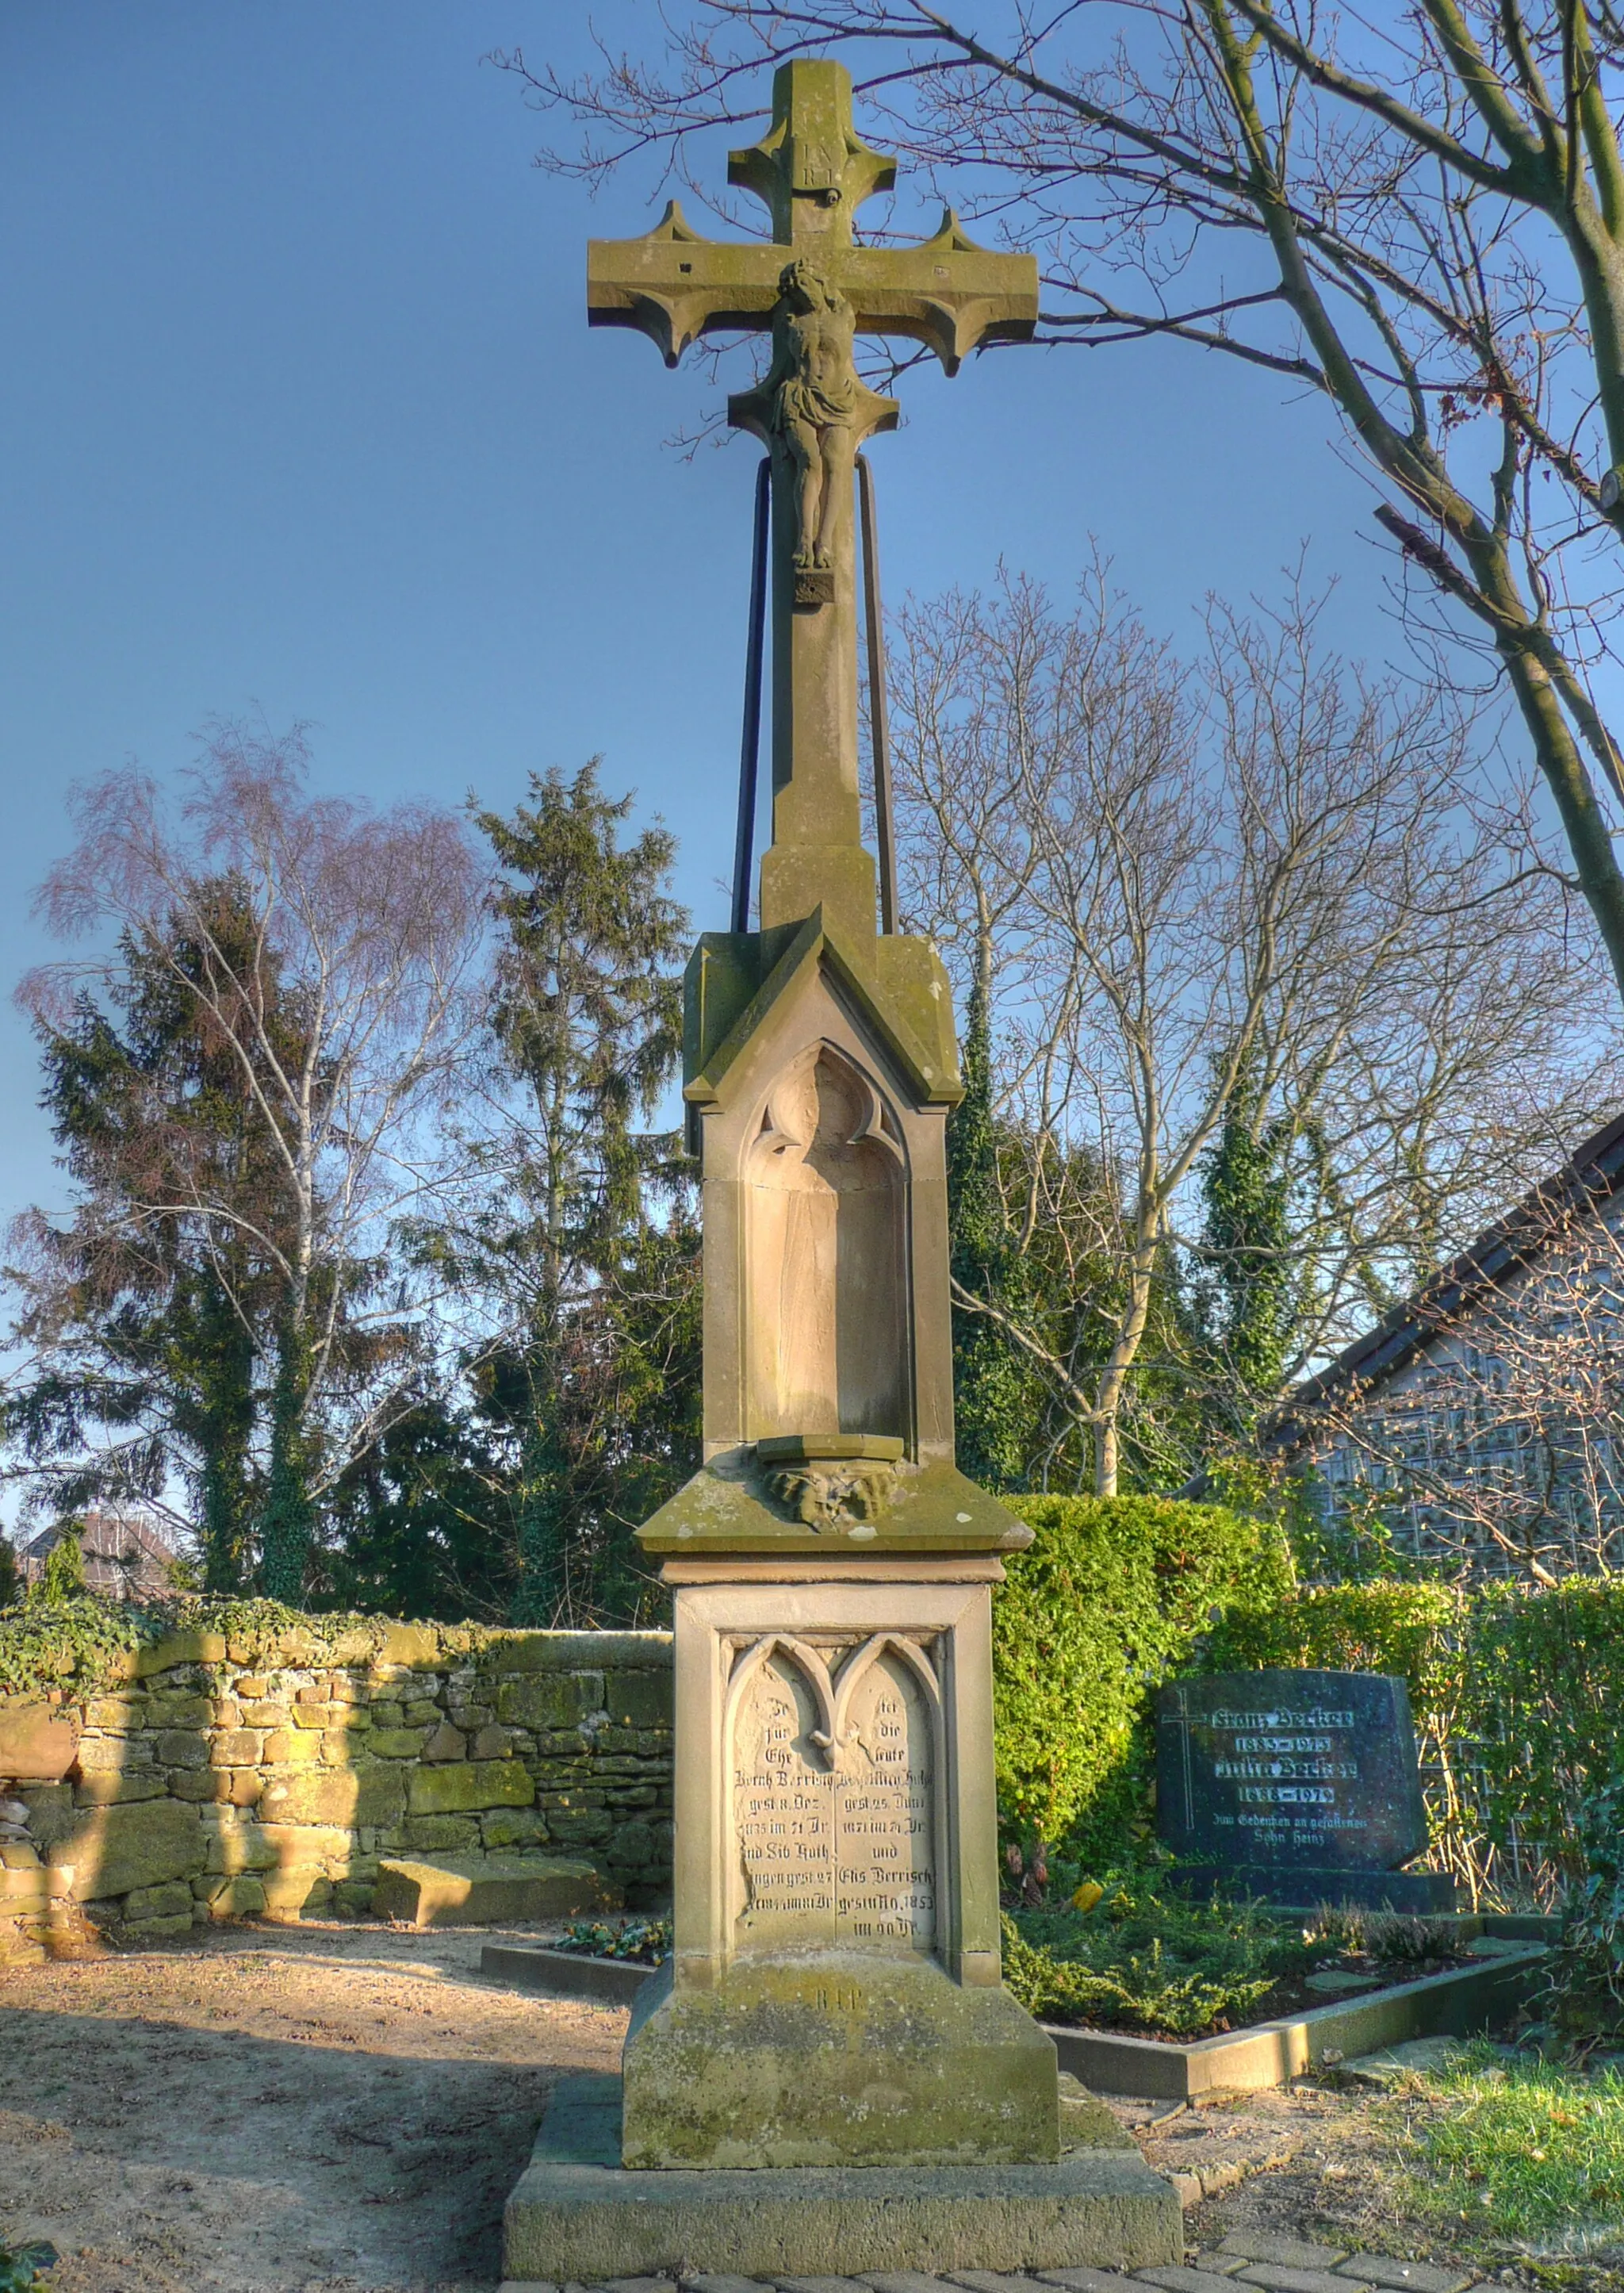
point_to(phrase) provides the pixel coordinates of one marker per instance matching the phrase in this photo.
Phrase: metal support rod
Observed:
(879, 723)
(750, 746)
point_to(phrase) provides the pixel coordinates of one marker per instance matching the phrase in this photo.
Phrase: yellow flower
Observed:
(1087, 1895)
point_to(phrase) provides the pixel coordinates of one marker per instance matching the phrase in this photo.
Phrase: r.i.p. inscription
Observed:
(834, 1826)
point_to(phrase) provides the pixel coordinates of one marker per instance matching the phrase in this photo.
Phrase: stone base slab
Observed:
(489, 1890)
(835, 2060)
(564, 1973)
(576, 2214)
(1417, 1894)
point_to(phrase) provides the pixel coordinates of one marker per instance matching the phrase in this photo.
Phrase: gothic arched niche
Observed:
(826, 1184)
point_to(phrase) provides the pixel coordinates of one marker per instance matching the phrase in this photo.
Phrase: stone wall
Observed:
(216, 1778)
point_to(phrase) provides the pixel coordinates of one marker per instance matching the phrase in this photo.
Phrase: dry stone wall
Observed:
(216, 1778)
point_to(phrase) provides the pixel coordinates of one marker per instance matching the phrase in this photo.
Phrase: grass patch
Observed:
(1153, 1964)
(1525, 2151)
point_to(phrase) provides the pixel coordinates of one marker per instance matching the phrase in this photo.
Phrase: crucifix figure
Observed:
(813, 289)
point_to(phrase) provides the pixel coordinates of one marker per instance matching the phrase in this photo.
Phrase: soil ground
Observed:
(327, 2109)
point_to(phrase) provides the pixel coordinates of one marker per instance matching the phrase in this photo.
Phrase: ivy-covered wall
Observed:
(268, 1769)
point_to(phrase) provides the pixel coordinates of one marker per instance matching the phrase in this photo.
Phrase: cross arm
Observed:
(675, 286)
(947, 293)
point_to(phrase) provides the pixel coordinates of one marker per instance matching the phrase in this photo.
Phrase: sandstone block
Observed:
(446, 1743)
(469, 1785)
(246, 1784)
(483, 1890)
(431, 1834)
(115, 1715)
(512, 1826)
(238, 1846)
(238, 1898)
(639, 1699)
(312, 1715)
(237, 1747)
(157, 1929)
(423, 1712)
(178, 1648)
(492, 1744)
(249, 1686)
(396, 1743)
(264, 1712)
(178, 1747)
(373, 1793)
(307, 1846)
(102, 1786)
(132, 1846)
(409, 1644)
(549, 1699)
(200, 1787)
(287, 1893)
(292, 1747)
(166, 1902)
(183, 1707)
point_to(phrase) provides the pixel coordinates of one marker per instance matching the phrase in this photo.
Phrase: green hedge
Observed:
(1518, 1695)
(1111, 1599)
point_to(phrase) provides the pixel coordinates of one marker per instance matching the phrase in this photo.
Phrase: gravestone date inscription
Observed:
(834, 1804)
(1292, 1769)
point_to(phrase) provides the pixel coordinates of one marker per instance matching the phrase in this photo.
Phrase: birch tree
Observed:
(330, 959)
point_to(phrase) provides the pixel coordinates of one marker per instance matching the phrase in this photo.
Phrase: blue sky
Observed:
(300, 415)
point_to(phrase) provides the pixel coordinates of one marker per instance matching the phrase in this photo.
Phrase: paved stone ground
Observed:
(1267, 2265)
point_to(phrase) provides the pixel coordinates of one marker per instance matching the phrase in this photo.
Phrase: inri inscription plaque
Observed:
(1296, 1770)
(834, 1775)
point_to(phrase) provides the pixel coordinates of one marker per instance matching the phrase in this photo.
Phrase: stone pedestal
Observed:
(835, 1995)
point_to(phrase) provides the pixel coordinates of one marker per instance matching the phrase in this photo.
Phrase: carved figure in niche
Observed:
(815, 402)
(826, 1263)
(829, 1496)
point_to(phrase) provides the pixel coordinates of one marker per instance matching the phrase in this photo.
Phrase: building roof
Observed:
(1592, 1174)
(124, 1554)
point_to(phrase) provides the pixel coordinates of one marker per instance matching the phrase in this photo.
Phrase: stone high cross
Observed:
(814, 288)
(834, 1995)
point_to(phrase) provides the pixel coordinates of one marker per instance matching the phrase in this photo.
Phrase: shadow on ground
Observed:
(269, 2112)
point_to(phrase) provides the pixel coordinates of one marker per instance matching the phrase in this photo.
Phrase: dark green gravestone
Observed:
(1298, 1787)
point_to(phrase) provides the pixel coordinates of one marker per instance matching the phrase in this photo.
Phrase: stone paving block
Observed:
(818, 2284)
(904, 2280)
(638, 2285)
(1274, 2279)
(1284, 2252)
(720, 2284)
(1084, 2281)
(1187, 2189)
(1177, 2279)
(1225, 2264)
(1405, 2276)
(993, 2280)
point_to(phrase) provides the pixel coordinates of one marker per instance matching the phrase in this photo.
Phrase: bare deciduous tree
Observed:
(1421, 219)
(1496, 1446)
(1175, 879)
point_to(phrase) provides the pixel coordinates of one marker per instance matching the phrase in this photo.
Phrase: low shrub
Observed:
(1147, 1962)
(23, 2267)
(646, 1940)
(1588, 1980)
(1109, 1600)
